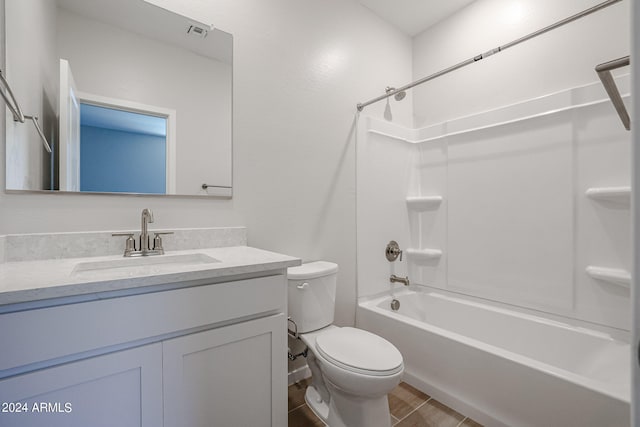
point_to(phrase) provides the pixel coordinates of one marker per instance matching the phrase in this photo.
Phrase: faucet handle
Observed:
(392, 251)
(157, 240)
(130, 243)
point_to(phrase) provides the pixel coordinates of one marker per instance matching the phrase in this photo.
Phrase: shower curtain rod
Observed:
(498, 49)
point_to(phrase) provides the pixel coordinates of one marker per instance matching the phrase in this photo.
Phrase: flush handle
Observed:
(303, 286)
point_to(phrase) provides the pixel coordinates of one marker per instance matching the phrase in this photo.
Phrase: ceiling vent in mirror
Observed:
(197, 31)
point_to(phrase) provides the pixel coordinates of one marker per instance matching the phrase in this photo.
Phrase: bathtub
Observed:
(503, 367)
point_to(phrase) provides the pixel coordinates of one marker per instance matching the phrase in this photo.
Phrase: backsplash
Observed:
(32, 247)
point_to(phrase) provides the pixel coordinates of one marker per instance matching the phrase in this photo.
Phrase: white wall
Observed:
(300, 67)
(32, 71)
(560, 59)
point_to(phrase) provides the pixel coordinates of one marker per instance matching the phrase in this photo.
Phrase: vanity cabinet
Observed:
(226, 376)
(117, 389)
(200, 355)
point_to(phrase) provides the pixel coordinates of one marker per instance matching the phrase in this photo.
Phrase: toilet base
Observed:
(318, 406)
(345, 410)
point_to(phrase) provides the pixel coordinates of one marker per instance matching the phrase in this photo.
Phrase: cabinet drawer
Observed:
(38, 335)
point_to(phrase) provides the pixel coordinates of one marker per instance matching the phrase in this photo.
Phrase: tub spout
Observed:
(396, 279)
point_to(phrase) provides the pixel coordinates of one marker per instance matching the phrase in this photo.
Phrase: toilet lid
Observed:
(359, 351)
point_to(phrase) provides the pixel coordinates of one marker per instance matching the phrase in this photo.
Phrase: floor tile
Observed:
(470, 423)
(432, 414)
(296, 393)
(403, 399)
(304, 417)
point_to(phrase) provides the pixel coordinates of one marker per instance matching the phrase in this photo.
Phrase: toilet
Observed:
(352, 370)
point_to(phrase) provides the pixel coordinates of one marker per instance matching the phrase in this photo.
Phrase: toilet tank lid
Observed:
(312, 270)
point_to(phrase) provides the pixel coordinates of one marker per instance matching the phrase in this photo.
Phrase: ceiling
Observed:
(414, 16)
(151, 21)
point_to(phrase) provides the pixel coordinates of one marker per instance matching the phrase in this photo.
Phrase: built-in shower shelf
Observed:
(614, 194)
(615, 276)
(423, 203)
(423, 254)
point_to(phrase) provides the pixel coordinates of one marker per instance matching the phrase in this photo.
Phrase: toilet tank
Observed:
(312, 295)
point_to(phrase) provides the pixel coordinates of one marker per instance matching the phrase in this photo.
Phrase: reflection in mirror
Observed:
(135, 99)
(136, 142)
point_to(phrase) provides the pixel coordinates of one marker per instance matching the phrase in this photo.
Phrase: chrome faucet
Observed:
(144, 246)
(396, 279)
(147, 217)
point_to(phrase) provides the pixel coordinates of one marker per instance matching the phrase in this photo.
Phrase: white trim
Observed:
(390, 136)
(136, 107)
(69, 130)
(635, 216)
(546, 105)
(519, 119)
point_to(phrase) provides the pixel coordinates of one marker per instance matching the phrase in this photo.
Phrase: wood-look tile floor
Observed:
(409, 407)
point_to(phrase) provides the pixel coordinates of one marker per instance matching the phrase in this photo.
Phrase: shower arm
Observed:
(18, 116)
(498, 49)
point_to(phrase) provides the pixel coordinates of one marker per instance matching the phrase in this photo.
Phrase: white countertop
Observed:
(29, 281)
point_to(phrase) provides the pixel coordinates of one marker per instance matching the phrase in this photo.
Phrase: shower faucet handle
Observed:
(393, 251)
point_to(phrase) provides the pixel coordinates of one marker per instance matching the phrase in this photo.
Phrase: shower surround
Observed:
(525, 207)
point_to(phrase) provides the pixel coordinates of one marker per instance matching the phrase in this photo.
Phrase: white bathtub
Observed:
(502, 367)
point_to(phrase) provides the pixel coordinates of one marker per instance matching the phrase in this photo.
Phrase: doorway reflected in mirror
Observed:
(135, 143)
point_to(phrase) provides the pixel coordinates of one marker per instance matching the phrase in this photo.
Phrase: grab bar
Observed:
(18, 116)
(604, 72)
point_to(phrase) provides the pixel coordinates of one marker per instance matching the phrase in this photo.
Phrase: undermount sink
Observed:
(135, 266)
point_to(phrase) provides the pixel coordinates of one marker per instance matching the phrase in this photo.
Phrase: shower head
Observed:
(398, 96)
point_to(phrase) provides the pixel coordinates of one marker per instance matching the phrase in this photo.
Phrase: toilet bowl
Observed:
(352, 370)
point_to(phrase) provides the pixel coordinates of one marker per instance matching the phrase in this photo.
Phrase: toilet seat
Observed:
(359, 351)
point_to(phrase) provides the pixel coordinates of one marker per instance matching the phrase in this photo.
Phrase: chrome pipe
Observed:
(612, 65)
(604, 72)
(397, 279)
(488, 53)
(145, 218)
(205, 186)
(18, 116)
(11, 101)
(34, 119)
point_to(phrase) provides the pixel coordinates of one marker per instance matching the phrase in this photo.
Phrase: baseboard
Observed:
(299, 374)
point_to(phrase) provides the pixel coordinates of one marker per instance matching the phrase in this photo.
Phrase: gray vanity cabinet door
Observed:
(230, 376)
(121, 389)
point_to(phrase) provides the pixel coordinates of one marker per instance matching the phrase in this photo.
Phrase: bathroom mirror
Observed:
(132, 98)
